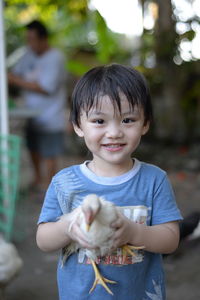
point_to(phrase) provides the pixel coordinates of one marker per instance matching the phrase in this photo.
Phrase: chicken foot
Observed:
(129, 249)
(99, 279)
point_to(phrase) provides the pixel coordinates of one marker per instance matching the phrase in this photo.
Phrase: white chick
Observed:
(98, 215)
(95, 216)
(10, 263)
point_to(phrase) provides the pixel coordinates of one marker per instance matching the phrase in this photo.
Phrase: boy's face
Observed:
(112, 136)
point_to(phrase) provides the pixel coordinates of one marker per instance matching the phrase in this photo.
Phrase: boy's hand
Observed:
(73, 230)
(125, 230)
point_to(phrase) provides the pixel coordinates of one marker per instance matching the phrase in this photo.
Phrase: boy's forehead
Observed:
(107, 105)
(106, 101)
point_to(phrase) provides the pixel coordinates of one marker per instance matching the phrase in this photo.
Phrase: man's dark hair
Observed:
(39, 27)
(113, 80)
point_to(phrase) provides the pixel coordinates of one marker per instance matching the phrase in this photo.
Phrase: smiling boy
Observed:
(112, 110)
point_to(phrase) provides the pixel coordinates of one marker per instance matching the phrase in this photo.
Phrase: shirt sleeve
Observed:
(24, 64)
(52, 74)
(51, 210)
(17, 69)
(164, 204)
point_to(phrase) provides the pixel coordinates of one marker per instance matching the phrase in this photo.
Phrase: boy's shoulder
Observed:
(152, 169)
(66, 171)
(67, 186)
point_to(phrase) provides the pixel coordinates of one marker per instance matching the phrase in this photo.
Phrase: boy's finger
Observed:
(116, 224)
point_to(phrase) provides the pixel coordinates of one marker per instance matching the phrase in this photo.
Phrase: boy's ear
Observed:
(78, 130)
(145, 128)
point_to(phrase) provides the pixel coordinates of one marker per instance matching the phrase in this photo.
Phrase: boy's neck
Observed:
(108, 170)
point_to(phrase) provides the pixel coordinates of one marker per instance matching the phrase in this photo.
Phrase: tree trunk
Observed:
(168, 113)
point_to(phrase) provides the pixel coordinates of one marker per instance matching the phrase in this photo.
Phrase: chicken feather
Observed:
(95, 216)
(10, 264)
(100, 233)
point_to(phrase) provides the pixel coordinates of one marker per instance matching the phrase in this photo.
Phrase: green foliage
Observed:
(72, 26)
(77, 68)
(189, 35)
(107, 43)
(84, 37)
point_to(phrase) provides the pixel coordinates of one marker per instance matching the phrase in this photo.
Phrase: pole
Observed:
(3, 78)
(4, 171)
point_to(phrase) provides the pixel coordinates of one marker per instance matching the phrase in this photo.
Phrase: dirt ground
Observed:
(37, 279)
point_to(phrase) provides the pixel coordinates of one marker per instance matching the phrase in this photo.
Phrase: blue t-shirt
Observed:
(145, 196)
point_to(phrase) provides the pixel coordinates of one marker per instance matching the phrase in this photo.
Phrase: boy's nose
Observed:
(114, 131)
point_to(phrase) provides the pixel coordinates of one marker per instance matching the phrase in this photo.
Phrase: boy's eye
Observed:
(128, 120)
(98, 121)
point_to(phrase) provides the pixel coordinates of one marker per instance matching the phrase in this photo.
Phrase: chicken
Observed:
(95, 216)
(190, 226)
(10, 264)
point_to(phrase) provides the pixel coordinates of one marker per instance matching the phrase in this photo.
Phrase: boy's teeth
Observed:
(113, 146)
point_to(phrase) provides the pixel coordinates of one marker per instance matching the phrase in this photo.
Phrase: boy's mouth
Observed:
(113, 147)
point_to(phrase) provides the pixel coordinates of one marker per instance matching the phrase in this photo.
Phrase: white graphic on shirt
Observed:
(137, 214)
(158, 294)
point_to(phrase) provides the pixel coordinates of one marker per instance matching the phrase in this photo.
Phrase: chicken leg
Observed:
(99, 279)
(129, 249)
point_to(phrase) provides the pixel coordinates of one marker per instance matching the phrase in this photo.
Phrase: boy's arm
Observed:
(52, 236)
(163, 238)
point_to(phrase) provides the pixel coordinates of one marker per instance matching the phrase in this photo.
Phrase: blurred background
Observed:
(162, 40)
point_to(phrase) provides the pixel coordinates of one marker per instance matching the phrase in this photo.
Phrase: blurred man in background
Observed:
(41, 76)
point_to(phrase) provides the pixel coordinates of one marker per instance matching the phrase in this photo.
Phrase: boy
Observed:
(112, 110)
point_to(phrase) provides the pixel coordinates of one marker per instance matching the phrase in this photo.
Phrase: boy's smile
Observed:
(113, 147)
(112, 136)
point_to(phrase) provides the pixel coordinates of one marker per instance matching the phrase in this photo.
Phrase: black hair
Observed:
(113, 80)
(39, 27)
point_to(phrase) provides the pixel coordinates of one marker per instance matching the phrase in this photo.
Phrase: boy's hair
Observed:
(39, 27)
(113, 80)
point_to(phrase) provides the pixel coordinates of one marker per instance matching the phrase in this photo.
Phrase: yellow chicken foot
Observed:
(99, 279)
(129, 249)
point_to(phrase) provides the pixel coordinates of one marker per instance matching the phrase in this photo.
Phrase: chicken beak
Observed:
(87, 227)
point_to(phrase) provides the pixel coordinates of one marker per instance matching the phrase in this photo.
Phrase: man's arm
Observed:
(21, 83)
